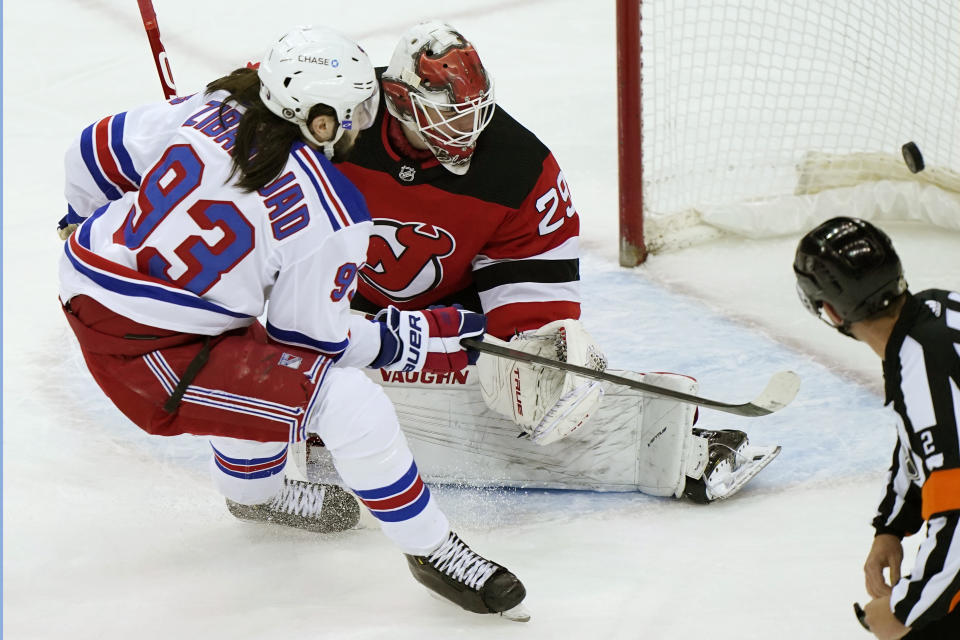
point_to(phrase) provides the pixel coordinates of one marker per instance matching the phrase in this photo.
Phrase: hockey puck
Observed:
(912, 157)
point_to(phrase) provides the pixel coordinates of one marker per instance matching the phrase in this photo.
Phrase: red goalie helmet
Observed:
(437, 86)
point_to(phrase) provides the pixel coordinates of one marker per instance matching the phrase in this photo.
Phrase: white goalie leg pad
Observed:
(668, 451)
(548, 404)
(457, 439)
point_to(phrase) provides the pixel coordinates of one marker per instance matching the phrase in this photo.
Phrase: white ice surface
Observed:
(109, 533)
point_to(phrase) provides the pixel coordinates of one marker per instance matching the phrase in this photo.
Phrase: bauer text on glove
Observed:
(427, 340)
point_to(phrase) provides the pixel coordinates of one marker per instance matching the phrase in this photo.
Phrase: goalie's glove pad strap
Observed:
(427, 340)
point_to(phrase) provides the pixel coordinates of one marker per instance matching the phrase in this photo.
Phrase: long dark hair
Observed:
(263, 141)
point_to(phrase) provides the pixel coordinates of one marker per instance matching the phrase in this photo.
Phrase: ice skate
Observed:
(732, 463)
(457, 573)
(321, 508)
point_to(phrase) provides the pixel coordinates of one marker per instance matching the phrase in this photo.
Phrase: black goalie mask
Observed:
(851, 265)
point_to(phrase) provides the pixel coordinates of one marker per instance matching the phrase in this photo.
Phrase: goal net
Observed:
(763, 118)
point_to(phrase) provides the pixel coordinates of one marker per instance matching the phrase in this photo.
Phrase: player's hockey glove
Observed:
(547, 404)
(427, 340)
(69, 223)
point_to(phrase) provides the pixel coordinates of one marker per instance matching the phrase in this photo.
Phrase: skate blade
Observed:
(518, 614)
(756, 459)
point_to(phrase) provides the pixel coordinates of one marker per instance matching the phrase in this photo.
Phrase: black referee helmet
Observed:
(851, 265)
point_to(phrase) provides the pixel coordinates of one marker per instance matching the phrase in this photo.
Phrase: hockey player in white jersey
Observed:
(185, 217)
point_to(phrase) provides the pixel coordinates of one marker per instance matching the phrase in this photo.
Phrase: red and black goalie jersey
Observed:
(501, 239)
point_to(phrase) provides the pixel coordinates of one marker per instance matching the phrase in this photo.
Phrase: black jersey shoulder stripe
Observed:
(953, 305)
(505, 167)
(940, 295)
(361, 304)
(932, 325)
(516, 271)
(468, 298)
(943, 302)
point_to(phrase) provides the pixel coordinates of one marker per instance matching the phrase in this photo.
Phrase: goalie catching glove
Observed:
(549, 405)
(427, 340)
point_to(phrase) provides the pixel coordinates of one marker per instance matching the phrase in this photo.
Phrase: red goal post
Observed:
(762, 118)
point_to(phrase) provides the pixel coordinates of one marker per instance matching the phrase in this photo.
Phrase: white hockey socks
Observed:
(359, 427)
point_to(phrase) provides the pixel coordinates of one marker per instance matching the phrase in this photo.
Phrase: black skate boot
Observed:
(731, 464)
(321, 508)
(457, 573)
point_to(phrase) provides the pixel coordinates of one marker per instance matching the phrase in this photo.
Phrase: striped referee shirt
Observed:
(921, 373)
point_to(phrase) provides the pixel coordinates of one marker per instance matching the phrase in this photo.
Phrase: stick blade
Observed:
(779, 392)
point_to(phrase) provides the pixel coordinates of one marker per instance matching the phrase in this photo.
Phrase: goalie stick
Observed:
(779, 392)
(149, 17)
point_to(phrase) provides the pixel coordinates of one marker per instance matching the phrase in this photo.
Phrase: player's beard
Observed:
(343, 146)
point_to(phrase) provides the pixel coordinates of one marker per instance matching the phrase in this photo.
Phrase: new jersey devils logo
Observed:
(403, 259)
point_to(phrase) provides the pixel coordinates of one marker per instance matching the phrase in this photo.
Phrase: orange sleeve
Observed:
(941, 492)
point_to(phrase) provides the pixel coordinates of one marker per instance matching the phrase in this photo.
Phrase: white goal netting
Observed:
(764, 117)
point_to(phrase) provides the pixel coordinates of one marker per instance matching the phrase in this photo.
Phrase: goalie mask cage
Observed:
(763, 117)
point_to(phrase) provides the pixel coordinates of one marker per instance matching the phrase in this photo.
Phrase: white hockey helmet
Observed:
(315, 65)
(437, 86)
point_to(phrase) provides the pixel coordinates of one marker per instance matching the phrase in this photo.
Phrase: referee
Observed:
(849, 275)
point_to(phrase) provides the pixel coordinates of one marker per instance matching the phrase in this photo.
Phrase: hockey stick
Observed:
(149, 17)
(779, 392)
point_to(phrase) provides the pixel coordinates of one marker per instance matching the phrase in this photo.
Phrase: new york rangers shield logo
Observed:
(290, 360)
